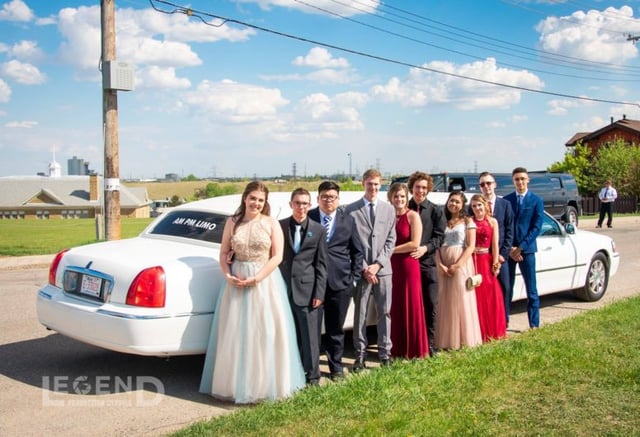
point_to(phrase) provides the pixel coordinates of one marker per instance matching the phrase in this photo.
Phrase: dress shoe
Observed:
(337, 376)
(609, 226)
(386, 361)
(598, 226)
(358, 365)
(313, 382)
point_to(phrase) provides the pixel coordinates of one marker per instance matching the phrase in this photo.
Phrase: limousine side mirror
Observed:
(570, 228)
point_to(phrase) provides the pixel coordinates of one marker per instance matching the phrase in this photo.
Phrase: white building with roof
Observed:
(64, 197)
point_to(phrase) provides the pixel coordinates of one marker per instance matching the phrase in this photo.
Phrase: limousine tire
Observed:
(597, 280)
(571, 216)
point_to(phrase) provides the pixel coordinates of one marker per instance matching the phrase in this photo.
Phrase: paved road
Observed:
(32, 359)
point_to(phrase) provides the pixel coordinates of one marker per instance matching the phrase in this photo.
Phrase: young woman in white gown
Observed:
(252, 353)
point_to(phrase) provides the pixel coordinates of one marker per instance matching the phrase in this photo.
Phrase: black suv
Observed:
(559, 191)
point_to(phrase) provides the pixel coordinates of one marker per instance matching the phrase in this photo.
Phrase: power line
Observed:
(326, 11)
(199, 14)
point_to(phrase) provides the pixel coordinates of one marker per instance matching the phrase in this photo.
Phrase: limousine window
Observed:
(197, 225)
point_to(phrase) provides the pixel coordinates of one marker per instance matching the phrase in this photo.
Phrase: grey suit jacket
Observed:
(378, 240)
(305, 272)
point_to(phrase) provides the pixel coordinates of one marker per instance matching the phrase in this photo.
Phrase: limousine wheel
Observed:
(597, 279)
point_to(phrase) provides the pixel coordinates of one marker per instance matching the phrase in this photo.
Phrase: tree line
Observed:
(618, 162)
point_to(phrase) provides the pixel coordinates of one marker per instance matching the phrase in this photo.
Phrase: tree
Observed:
(579, 163)
(620, 163)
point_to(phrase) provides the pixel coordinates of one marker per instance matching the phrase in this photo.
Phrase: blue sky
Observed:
(369, 83)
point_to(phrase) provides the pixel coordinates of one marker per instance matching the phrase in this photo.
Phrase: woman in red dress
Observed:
(486, 258)
(408, 326)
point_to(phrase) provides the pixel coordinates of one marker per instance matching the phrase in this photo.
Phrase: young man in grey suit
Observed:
(376, 225)
(304, 268)
(344, 268)
(503, 213)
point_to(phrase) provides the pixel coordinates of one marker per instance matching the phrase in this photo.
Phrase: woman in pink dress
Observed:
(457, 314)
(487, 261)
(408, 326)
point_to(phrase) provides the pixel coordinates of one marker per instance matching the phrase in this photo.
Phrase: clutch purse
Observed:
(474, 280)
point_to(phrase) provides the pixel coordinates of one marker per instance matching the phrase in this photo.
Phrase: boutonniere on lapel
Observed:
(309, 234)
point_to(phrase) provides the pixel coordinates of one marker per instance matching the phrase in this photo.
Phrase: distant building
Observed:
(64, 197)
(172, 177)
(625, 129)
(77, 167)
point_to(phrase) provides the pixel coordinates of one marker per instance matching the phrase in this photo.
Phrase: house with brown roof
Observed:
(625, 129)
(65, 197)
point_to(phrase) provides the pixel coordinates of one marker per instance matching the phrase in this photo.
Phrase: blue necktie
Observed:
(326, 222)
(297, 239)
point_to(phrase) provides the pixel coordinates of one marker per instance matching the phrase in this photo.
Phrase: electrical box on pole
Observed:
(118, 75)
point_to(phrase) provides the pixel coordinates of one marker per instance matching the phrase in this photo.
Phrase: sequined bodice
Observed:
(252, 240)
(456, 236)
(484, 233)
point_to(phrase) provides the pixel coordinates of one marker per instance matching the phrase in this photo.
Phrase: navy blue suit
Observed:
(527, 226)
(344, 267)
(503, 213)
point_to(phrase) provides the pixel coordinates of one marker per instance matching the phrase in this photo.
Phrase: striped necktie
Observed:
(326, 222)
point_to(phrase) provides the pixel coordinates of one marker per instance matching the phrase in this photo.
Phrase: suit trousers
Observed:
(504, 278)
(334, 313)
(528, 270)
(606, 208)
(306, 321)
(429, 279)
(381, 294)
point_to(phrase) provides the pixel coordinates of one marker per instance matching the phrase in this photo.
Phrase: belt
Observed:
(481, 251)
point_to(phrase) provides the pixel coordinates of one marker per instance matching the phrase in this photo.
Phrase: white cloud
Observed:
(179, 27)
(344, 7)
(423, 87)
(562, 106)
(26, 51)
(146, 38)
(319, 57)
(16, 10)
(231, 102)
(598, 36)
(157, 77)
(5, 91)
(21, 124)
(319, 116)
(23, 73)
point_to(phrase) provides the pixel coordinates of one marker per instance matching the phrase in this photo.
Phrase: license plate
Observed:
(91, 286)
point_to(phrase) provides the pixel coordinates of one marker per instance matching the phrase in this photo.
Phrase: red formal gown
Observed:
(489, 294)
(408, 327)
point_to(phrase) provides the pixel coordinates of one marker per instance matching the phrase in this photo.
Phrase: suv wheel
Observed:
(597, 280)
(571, 216)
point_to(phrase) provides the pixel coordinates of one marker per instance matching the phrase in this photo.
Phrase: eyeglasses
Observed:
(301, 204)
(328, 198)
(485, 184)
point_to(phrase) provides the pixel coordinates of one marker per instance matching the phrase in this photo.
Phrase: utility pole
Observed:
(110, 127)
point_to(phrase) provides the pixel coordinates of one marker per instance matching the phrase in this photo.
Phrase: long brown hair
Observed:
(242, 209)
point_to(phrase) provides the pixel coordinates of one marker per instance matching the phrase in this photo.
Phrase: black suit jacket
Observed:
(305, 273)
(433, 225)
(345, 252)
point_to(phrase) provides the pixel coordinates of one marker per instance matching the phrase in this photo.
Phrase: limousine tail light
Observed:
(53, 268)
(148, 289)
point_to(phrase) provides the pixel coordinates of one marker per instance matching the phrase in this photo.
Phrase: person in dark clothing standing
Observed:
(433, 226)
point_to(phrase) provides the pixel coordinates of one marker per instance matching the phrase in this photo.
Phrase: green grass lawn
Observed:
(43, 237)
(578, 377)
